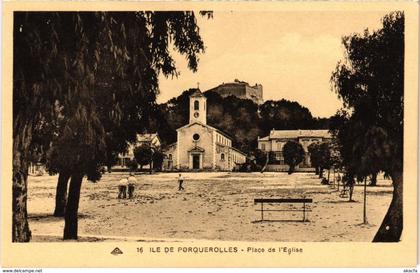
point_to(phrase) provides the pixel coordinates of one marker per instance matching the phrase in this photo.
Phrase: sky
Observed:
(292, 54)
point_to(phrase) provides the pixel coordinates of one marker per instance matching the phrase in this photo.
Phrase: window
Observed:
(222, 157)
(196, 105)
(196, 137)
(263, 146)
(170, 156)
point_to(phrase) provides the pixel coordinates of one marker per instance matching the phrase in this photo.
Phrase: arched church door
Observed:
(196, 161)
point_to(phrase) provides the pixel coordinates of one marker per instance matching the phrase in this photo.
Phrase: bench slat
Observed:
(285, 210)
(284, 200)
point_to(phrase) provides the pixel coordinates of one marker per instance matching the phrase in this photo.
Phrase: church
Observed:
(200, 146)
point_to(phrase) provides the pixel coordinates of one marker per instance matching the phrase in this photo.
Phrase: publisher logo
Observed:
(116, 251)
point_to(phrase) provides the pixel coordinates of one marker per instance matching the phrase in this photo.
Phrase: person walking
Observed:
(180, 182)
(122, 188)
(132, 181)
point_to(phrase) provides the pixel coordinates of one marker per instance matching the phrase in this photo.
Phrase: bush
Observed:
(132, 165)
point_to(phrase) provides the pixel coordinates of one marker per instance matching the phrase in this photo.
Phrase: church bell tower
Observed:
(198, 107)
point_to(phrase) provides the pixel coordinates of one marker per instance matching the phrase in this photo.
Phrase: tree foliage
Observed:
(97, 70)
(285, 115)
(370, 82)
(143, 155)
(315, 156)
(293, 154)
(157, 159)
(132, 165)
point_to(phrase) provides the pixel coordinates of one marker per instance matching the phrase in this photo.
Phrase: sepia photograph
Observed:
(209, 125)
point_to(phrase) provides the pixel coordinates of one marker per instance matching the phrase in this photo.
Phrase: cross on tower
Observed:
(198, 85)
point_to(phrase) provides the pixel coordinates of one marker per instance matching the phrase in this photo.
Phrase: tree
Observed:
(56, 59)
(261, 159)
(320, 155)
(132, 165)
(370, 81)
(348, 179)
(373, 179)
(285, 115)
(227, 113)
(325, 159)
(336, 160)
(293, 154)
(157, 159)
(315, 157)
(143, 155)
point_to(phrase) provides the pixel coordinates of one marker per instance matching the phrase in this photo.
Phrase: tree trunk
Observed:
(21, 141)
(392, 225)
(364, 203)
(291, 169)
(328, 177)
(21, 231)
(321, 172)
(338, 183)
(351, 188)
(61, 194)
(373, 179)
(266, 163)
(70, 219)
(109, 167)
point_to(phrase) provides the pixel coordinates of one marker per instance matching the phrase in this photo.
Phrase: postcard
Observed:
(209, 134)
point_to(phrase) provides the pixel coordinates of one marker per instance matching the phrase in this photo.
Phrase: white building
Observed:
(151, 140)
(200, 146)
(275, 141)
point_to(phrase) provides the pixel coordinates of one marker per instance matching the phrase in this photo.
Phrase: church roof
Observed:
(237, 150)
(275, 134)
(197, 93)
(205, 125)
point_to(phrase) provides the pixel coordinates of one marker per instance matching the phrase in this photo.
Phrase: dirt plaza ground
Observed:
(214, 206)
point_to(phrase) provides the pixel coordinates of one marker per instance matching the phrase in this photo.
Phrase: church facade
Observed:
(200, 146)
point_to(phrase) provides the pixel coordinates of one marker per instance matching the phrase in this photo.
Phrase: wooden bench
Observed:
(303, 201)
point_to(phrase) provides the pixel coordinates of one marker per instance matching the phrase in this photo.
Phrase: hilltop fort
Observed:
(240, 89)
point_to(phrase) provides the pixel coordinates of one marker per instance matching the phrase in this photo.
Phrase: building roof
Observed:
(197, 93)
(146, 137)
(267, 138)
(205, 125)
(232, 148)
(237, 150)
(275, 134)
(234, 83)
